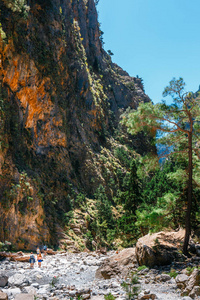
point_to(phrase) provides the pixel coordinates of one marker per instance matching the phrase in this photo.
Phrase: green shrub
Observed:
(173, 273)
(54, 280)
(6, 246)
(191, 269)
(131, 286)
(104, 209)
(88, 240)
(79, 200)
(123, 156)
(18, 6)
(140, 268)
(111, 233)
(109, 297)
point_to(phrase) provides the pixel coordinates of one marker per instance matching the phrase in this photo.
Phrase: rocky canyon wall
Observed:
(61, 98)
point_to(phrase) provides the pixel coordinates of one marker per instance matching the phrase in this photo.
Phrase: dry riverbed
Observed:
(72, 275)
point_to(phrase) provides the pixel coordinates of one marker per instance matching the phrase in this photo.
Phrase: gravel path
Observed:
(167, 291)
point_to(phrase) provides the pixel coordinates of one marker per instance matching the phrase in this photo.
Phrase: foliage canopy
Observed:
(177, 126)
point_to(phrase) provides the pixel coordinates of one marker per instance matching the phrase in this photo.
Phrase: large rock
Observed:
(30, 290)
(159, 248)
(3, 296)
(4, 255)
(181, 280)
(19, 256)
(117, 264)
(24, 258)
(144, 296)
(12, 292)
(194, 281)
(17, 279)
(51, 252)
(3, 280)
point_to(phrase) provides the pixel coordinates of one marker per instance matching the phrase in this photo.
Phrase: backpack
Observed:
(32, 259)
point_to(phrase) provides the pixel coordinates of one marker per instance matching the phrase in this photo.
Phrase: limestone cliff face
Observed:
(61, 98)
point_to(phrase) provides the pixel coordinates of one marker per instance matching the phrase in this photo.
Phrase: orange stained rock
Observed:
(29, 227)
(95, 123)
(57, 122)
(34, 99)
(52, 134)
(22, 77)
(12, 80)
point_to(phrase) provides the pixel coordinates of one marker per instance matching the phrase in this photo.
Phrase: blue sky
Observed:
(155, 39)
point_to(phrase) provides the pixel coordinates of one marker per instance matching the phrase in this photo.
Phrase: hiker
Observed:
(38, 250)
(32, 260)
(39, 259)
(45, 250)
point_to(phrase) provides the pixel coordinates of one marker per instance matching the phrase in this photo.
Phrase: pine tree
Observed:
(178, 125)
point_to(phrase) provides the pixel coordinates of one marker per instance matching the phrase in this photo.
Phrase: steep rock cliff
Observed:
(61, 98)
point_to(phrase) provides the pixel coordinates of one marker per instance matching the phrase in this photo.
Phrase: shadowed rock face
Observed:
(61, 101)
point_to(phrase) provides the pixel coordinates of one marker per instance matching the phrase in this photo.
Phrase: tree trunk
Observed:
(189, 200)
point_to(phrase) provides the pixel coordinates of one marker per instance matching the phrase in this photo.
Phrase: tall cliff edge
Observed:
(61, 98)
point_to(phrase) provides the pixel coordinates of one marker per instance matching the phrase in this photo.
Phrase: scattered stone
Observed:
(85, 296)
(195, 292)
(181, 280)
(17, 280)
(144, 271)
(165, 277)
(72, 293)
(43, 289)
(66, 266)
(3, 296)
(98, 297)
(24, 297)
(3, 280)
(194, 280)
(30, 290)
(35, 285)
(83, 291)
(143, 296)
(12, 291)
